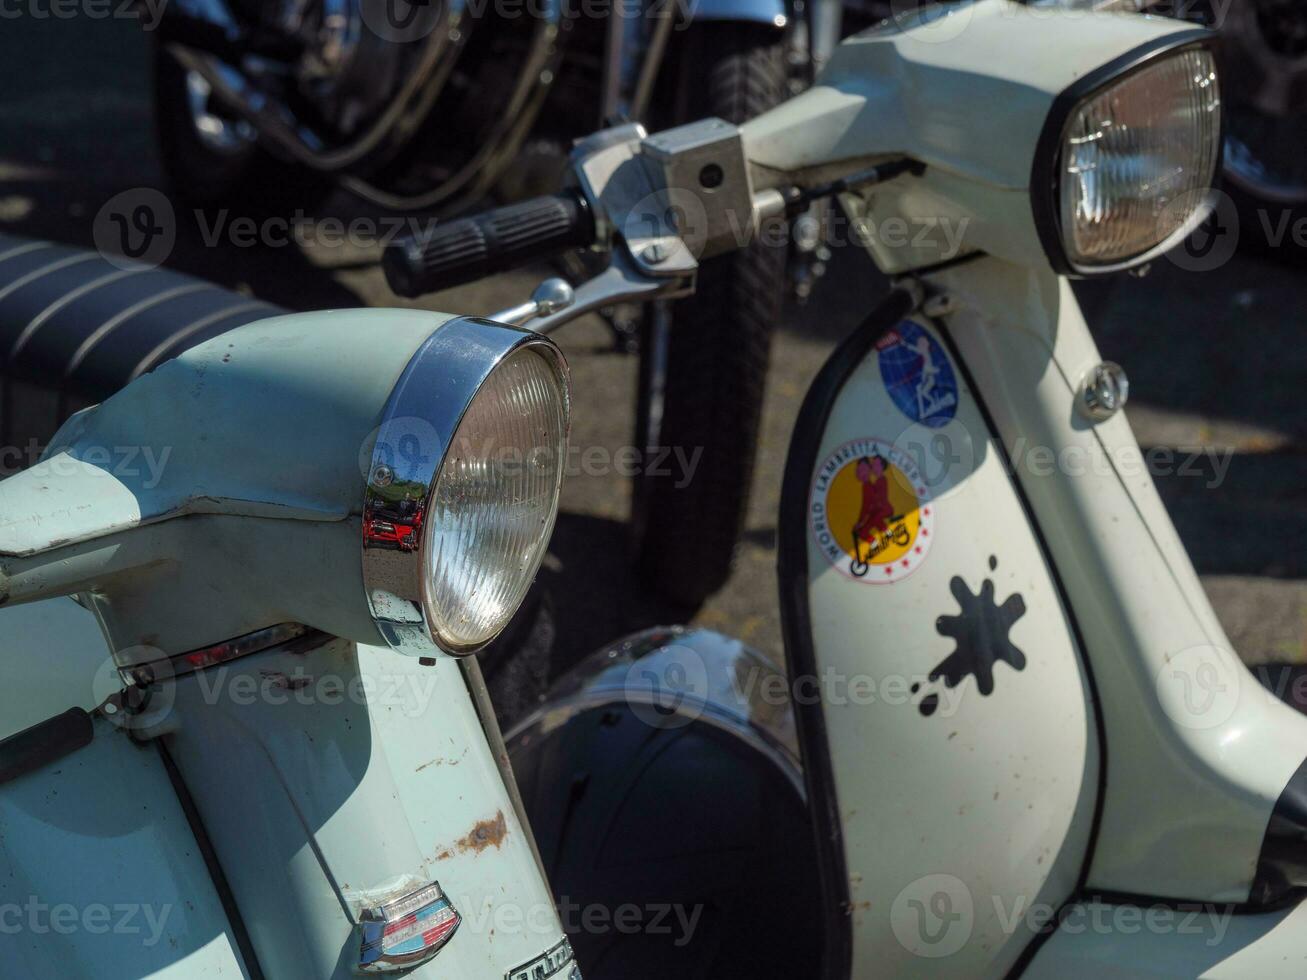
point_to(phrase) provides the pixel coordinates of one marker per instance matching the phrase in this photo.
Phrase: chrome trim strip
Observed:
(237, 647)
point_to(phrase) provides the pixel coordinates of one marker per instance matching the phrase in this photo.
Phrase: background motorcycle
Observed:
(434, 106)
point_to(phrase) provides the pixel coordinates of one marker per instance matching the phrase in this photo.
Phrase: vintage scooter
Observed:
(255, 742)
(1027, 747)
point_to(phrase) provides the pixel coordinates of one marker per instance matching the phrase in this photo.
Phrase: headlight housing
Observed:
(463, 486)
(1127, 158)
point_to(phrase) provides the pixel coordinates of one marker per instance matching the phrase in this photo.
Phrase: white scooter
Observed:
(1025, 745)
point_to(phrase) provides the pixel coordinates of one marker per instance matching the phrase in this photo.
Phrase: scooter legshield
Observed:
(361, 816)
(950, 745)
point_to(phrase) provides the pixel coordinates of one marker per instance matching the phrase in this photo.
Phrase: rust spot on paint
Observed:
(438, 761)
(487, 833)
(277, 679)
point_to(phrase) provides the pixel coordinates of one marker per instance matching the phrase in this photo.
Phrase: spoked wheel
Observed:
(704, 358)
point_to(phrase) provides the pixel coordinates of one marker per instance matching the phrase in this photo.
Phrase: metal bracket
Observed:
(673, 197)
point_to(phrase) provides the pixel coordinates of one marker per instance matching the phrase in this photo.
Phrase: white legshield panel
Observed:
(963, 742)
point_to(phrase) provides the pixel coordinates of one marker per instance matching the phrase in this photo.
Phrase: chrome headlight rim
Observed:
(433, 395)
(1045, 186)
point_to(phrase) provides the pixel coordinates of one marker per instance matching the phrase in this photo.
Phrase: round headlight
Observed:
(463, 488)
(1135, 156)
(495, 501)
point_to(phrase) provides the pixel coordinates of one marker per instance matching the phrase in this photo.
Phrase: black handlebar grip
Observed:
(482, 244)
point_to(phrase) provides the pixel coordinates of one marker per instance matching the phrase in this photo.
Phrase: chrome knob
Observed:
(552, 295)
(1103, 392)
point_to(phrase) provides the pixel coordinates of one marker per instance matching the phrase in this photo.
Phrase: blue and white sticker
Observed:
(918, 375)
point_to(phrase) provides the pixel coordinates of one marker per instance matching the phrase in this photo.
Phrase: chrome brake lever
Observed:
(554, 303)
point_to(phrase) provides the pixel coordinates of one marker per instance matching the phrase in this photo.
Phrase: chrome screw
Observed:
(383, 476)
(655, 253)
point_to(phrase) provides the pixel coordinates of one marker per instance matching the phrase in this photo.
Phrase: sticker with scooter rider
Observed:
(870, 511)
(918, 375)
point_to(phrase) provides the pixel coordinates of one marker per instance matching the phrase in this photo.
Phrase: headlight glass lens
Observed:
(493, 507)
(1138, 157)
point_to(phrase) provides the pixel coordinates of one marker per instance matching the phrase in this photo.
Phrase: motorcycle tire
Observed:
(703, 361)
(244, 177)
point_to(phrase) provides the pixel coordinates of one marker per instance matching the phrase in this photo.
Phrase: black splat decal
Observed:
(981, 633)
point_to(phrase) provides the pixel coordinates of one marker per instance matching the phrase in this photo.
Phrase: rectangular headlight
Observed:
(1135, 160)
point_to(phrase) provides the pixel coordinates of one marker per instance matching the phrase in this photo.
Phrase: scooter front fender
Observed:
(663, 785)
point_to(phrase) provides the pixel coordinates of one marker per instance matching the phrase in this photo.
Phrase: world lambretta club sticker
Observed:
(870, 512)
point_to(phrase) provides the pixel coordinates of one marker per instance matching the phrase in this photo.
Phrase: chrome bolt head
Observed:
(655, 252)
(1103, 392)
(383, 476)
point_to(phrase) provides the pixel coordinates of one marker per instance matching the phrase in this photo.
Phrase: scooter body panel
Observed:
(1200, 755)
(961, 735)
(100, 874)
(334, 776)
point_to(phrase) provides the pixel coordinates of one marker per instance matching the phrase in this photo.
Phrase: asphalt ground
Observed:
(1217, 359)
